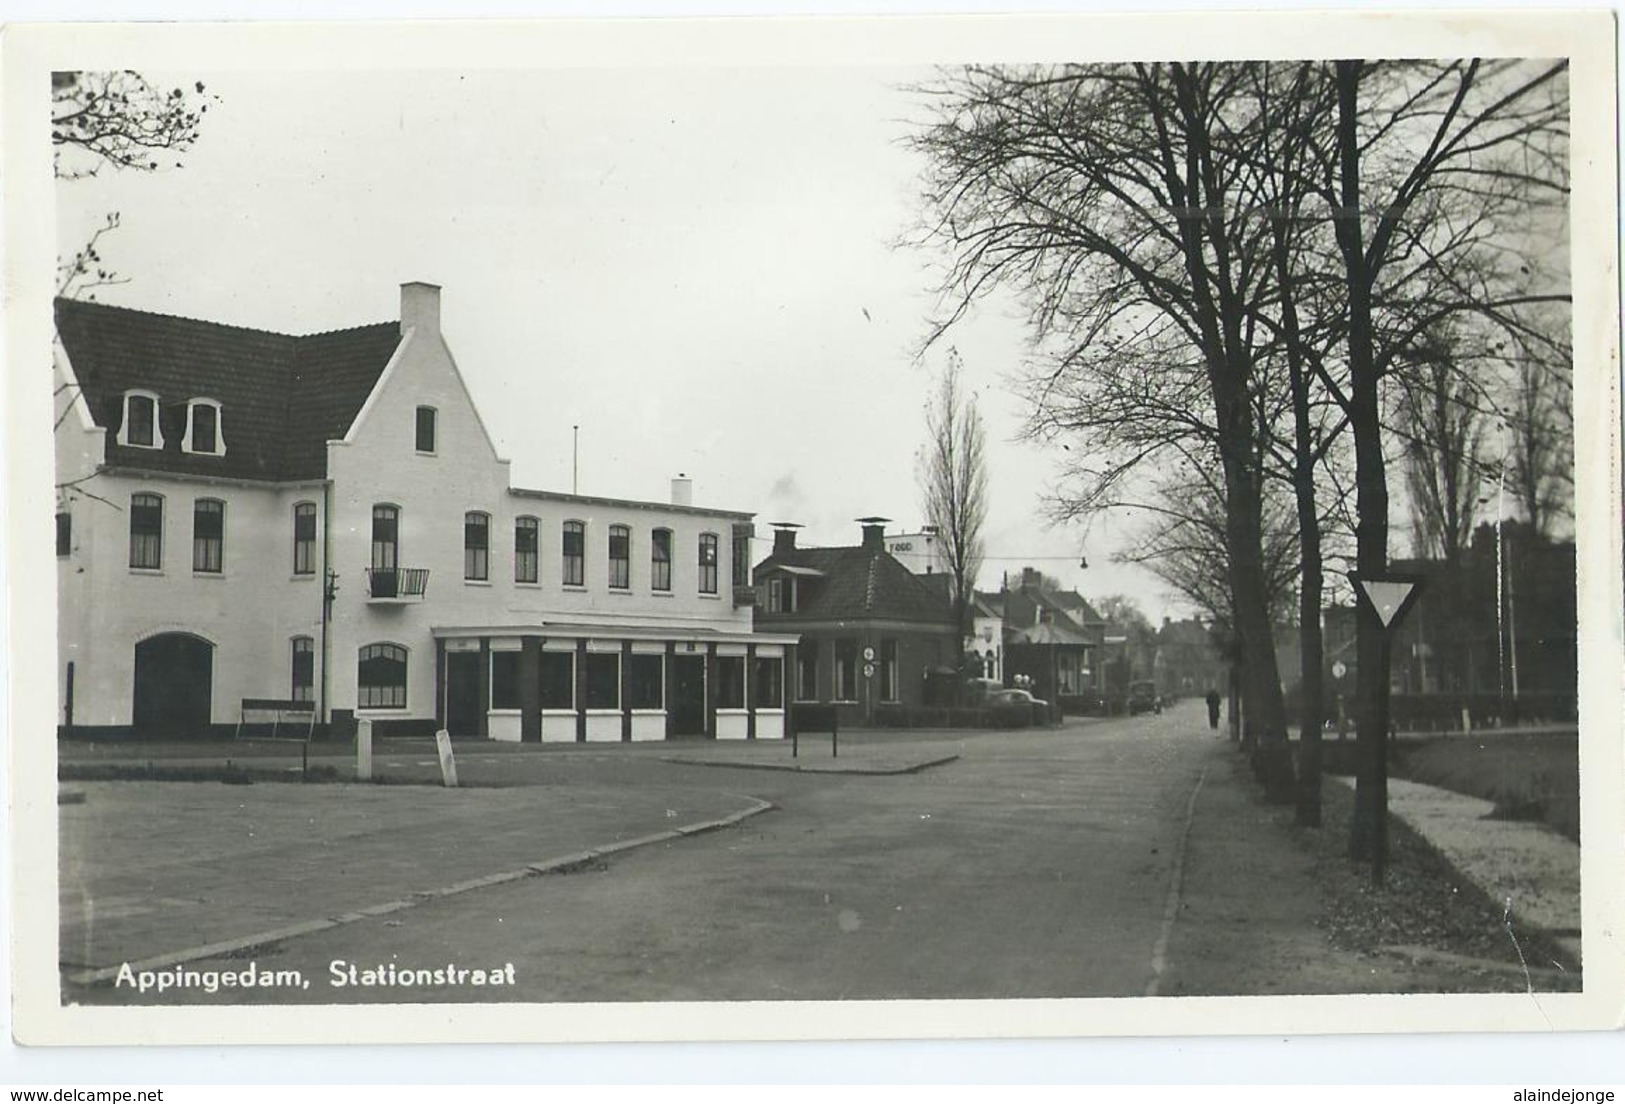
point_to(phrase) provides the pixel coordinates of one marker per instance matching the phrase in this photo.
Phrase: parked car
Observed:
(1019, 703)
(1142, 698)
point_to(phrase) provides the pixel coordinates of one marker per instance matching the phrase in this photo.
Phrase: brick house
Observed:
(871, 633)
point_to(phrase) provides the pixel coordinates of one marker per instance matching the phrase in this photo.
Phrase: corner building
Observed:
(324, 518)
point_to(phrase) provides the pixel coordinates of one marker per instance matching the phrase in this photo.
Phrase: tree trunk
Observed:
(1264, 711)
(1311, 687)
(1369, 837)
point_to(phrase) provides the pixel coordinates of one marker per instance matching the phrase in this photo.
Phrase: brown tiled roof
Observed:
(858, 584)
(281, 397)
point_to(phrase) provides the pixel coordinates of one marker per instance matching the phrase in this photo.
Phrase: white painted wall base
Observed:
(503, 726)
(732, 726)
(558, 726)
(604, 728)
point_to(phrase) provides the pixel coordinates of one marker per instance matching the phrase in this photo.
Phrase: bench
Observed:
(297, 716)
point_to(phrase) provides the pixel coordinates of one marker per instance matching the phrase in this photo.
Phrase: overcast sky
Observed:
(697, 266)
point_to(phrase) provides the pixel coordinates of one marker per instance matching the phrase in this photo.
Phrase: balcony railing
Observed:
(397, 584)
(744, 595)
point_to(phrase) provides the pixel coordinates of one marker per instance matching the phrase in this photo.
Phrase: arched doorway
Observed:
(174, 683)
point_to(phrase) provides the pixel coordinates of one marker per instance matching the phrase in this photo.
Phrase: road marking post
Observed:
(363, 750)
(448, 764)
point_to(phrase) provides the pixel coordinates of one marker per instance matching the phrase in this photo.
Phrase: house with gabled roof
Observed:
(1056, 638)
(254, 516)
(871, 633)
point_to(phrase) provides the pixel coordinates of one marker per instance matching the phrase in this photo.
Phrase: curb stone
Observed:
(559, 865)
(911, 768)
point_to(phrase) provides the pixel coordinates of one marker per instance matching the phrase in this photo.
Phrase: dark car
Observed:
(1019, 703)
(1142, 698)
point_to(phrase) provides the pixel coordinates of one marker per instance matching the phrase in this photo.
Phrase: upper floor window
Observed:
(381, 677)
(708, 563)
(146, 531)
(476, 545)
(620, 557)
(386, 537)
(575, 553)
(526, 550)
(208, 535)
(425, 428)
(64, 533)
(304, 538)
(203, 428)
(660, 559)
(139, 427)
(781, 594)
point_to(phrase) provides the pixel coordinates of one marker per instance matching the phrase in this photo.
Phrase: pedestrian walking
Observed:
(1213, 709)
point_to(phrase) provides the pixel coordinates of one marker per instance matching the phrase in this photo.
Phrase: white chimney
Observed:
(682, 490)
(420, 307)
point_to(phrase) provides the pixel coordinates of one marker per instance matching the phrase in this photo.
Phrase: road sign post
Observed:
(1388, 598)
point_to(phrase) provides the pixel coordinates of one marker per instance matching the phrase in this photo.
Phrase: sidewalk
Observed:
(1526, 866)
(1260, 899)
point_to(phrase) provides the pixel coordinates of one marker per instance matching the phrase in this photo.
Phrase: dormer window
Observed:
(203, 428)
(139, 427)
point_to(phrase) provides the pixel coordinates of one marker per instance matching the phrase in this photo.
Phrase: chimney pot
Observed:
(874, 533)
(784, 536)
(420, 307)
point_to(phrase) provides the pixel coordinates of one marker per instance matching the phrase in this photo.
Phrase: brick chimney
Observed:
(420, 307)
(784, 536)
(874, 533)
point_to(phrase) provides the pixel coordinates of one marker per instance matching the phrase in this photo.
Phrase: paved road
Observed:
(1038, 864)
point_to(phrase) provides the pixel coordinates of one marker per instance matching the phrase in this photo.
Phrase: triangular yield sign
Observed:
(1386, 596)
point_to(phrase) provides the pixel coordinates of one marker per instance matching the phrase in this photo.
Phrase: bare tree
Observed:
(1411, 146)
(122, 119)
(118, 119)
(953, 481)
(1105, 195)
(1442, 426)
(1540, 442)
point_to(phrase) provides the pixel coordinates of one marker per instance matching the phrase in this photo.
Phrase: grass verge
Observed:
(1425, 909)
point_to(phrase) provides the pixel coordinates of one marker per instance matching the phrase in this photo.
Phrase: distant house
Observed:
(987, 635)
(1187, 664)
(871, 632)
(1054, 637)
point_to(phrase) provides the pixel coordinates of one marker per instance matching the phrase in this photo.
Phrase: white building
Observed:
(923, 553)
(324, 518)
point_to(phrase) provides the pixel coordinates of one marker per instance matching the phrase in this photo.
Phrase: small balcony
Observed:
(744, 595)
(396, 585)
